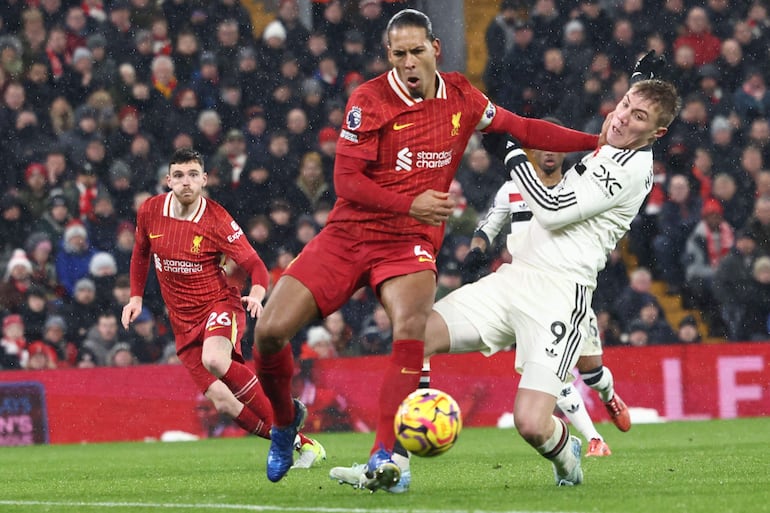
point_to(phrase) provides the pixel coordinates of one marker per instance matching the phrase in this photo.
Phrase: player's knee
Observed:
(216, 363)
(269, 335)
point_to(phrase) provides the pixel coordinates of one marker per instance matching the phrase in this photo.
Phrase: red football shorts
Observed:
(226, 318)
(336, 263)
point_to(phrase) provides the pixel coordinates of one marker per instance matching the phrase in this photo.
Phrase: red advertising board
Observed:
(679, 382)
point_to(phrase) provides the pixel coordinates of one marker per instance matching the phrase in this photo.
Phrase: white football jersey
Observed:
(581, 219)
(508, 205)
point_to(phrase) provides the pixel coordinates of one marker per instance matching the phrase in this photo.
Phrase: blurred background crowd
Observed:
(96, 95)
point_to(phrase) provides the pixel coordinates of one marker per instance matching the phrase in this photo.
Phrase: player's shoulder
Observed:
(625, 158)
(456, 79)
(154, 203)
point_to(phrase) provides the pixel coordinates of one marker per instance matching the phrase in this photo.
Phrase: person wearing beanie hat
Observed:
(206, 314)
(318, 344)
(81, 52)
(73, 256)
(708, 244)
(13, 344)
(274, 30)
(34, 194)
(688, 332)
(16, 280)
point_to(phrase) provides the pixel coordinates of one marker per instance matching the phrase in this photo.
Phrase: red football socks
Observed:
(401, 378)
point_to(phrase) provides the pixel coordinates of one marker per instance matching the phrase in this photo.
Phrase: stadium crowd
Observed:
(97, 94)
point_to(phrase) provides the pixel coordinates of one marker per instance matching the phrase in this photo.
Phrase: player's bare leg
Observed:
(291, 306)
(532, 414)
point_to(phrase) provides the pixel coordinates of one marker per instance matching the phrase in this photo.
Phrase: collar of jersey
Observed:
(403, 92)
(168, 210)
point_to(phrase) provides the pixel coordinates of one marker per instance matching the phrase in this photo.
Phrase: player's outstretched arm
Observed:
(541, 135)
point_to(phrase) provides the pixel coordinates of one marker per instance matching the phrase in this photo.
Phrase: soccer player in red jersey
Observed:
(402, 141)
(186, 237)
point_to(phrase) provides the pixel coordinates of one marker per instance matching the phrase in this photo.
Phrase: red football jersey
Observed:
(411, 145)
(187, 255)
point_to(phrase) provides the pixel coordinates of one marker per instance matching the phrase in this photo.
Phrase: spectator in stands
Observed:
(678, 217)
(55, 220)
(737, 206)
(752, 99)
(73, 256)
(707, 245)
(687, 332)
(480, 177)
(318, 344)
(273, 48)
(759, 136)
(311, 187)
(145, 341)
(755, 302)
(34, 312)
(296, 33)
(464, 218)
(102, 337)
(34, 192)
(731, 66)
(699, 37)
(81, 312)
(13, 344)
(371, 21)
(759, 224)
(610, 282)
(121, 356)
(629, 302)
(499, 37)
(732, 281)
(376, 336)
(54, 334)
(653, 321)
(16, 281)
(623, 45)
(341, 334)
(103, 270)
(41, 356)
(753, 46)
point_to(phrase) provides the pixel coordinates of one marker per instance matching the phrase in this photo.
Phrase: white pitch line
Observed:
(239, 507)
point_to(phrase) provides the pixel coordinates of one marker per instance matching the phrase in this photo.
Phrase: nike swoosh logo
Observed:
(404, 370)
(397, 127)
(155, 236)
(424, 259)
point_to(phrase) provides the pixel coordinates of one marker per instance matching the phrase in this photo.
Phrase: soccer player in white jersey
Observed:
(542, 298)
(509, 208)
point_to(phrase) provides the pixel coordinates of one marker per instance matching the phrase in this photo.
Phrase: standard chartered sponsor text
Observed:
(182, 266)
(433, 159)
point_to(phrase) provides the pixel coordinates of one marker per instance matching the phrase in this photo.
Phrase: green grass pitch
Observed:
(692, 467)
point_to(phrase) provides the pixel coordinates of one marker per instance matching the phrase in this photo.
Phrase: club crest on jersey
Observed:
(353, 118)
(456, 123)
(196, 244)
